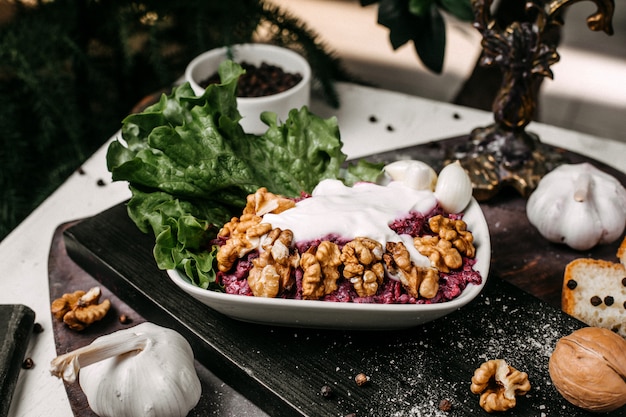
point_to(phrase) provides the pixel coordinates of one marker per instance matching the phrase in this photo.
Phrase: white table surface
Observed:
(24, 252)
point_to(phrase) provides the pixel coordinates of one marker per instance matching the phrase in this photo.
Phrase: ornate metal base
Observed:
(495, 158)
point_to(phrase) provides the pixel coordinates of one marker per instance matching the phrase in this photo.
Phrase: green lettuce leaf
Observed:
(191, 166)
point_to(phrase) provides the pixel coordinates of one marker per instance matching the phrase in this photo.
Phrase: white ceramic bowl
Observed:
(207, 64)
(331, 315)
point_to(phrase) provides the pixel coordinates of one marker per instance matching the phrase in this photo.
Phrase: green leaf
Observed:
(191, 166)
(426, 30)
(363, 171)
(461, 9)
(394, 15)
(420, 7)
(430, 44)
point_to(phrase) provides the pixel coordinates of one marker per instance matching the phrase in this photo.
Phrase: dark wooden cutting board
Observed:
(281, 370)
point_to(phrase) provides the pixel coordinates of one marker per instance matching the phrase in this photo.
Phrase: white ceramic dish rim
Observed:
(260, 47)
(240, 304)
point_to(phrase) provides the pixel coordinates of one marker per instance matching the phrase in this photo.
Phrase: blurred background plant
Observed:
(421, 22)
(71, 70)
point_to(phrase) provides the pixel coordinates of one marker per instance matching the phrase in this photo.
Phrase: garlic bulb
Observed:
(454, 188)
(415, 174)
(145, 370)
(578, 205)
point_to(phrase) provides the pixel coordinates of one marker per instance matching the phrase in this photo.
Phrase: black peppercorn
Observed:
(258, 81)
(124, 319)
(571, 284)
(608, 300)
(28, 363)
(624, 281)
(595, 301)
(361, 379)
(445, 405)
(37, 328)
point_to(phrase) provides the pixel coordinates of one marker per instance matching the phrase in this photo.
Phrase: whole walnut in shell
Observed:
(588, 368)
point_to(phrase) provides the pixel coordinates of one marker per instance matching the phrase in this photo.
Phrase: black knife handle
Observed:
(16, 326)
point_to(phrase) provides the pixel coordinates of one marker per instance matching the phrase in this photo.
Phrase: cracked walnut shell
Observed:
(499, 385)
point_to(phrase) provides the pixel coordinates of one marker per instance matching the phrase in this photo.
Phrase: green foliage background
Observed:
(71, 70)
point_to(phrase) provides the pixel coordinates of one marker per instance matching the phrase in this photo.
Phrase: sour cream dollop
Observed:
(363, 210)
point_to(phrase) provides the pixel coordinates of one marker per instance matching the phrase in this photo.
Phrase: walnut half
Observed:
(498, 385)
(362, 258)
(80, 309)
(416, 281)
(320, 268)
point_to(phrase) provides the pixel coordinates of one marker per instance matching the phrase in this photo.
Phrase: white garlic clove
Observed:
(454, 188)
(415, 174)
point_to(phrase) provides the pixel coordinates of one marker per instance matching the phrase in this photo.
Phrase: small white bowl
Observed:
(207, 64)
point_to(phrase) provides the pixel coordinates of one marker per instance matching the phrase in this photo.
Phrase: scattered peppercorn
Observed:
(259, 81)
(595, 301)
(361, 379)
(390, 128)
(624, 281)
(373, 119)
(608, 300)
(100, 183)
(326, 391)
(456, 116)
(38, 328)
(625, 304)
(124, 319)
(445, 405)
(28, 363)
(571, 284)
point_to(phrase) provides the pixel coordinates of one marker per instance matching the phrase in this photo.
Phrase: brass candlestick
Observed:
(504, 153)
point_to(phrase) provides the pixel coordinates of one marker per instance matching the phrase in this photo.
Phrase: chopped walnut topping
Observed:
(321, 270)
(271, 271)
(243, 234)
(440, 252)
(80, 309)
(264, 279)
(362, 265)
(417, 281)
(498, 385)
(263, 202)
(445, 250)
(454, 231)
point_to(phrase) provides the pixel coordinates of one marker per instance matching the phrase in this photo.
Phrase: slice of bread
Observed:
(594, 291)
